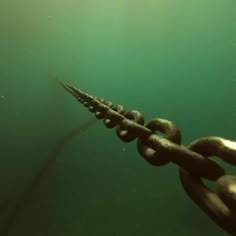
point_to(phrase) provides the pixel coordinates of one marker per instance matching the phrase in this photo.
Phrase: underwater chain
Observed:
(193, 161)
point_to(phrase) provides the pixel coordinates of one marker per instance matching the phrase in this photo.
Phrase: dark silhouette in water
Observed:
(23, 197)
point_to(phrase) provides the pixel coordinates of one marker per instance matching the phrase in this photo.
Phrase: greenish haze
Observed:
(171, 59)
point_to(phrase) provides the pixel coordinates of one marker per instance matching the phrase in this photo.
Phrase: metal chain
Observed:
(193, 161)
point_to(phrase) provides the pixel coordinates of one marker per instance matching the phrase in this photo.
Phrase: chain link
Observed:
(194, 161)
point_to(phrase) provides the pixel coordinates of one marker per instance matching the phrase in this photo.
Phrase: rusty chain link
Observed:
(194, 161)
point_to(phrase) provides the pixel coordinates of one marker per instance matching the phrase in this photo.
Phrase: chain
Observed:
(194, 161)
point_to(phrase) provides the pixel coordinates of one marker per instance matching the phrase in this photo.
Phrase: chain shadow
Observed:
(18, 203)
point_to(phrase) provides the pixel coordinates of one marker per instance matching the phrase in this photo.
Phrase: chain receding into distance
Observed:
(193, 161)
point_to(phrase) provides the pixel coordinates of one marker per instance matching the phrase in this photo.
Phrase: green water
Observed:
(165, 58)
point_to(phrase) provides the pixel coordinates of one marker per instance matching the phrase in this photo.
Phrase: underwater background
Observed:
(171, 59)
